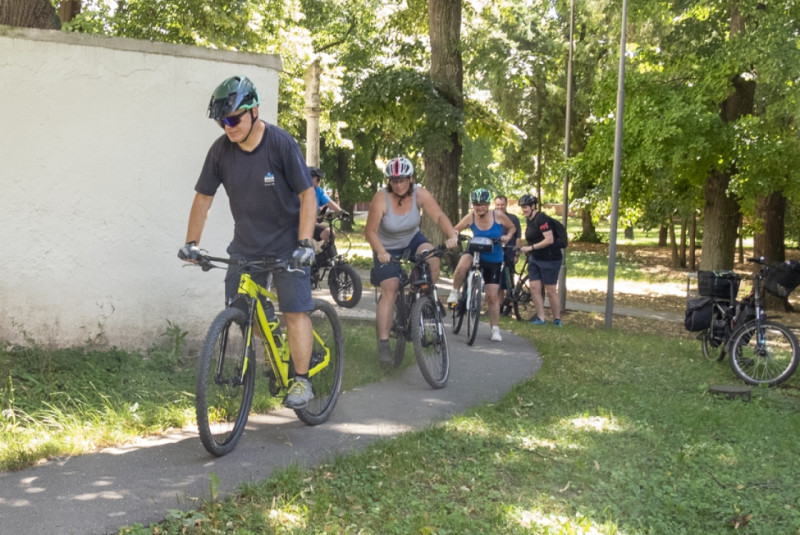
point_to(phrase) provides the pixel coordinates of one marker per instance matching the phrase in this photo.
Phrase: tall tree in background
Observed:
(29, 14)
(443, 156)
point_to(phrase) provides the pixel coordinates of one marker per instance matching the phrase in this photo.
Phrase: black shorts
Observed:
(491, 272)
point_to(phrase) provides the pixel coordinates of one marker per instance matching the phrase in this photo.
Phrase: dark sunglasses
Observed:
(480, 204)
(231, 120)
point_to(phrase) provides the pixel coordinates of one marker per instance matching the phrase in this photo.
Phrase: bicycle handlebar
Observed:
(206, 262)
(758, 260)
(467, 237)
(439, 250)
(330, 217)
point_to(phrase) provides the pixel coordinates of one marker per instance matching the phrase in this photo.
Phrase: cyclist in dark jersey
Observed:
(544, 261)
(274, 209)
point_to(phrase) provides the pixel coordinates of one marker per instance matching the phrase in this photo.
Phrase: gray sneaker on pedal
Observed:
(300, 393)
(385, 353)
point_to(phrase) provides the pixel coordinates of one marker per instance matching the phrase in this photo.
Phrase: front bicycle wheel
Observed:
(764, 353)
(430, 342)
(397, 333)
(225, 382)
(474, 308)
(327, 382)
(344, 283)
(521, 297)
(459, 310)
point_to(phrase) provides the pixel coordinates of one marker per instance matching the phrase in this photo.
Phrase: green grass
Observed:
(590, 264)
(58, 402)
(617, 433)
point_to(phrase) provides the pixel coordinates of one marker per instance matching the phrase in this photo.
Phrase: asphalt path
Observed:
(141, 482)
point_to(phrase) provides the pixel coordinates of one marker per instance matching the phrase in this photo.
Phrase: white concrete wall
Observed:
(103, 140)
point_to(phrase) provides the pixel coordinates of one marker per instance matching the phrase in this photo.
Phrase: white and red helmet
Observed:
(398, 168)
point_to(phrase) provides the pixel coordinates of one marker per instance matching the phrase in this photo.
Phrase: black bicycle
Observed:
(418, 317)
(518, 297)
(718, 291)
(469, 303)
(344, 282)
(762, 351)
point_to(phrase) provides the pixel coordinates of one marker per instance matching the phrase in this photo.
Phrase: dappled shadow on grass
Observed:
(617, 433)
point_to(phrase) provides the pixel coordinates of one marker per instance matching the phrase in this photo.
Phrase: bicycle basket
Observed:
(782, 279)
(480, 244)
(718, 284)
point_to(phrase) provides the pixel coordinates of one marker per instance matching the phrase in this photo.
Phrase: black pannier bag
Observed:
(745, 311)
(782, 279)
(718, 284)
(698, 314)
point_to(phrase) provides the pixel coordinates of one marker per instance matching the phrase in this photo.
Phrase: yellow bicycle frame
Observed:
(278, 357)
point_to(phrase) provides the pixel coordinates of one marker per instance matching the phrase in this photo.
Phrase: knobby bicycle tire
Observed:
(474, 308)
(327, 383)
(430, 342)
(459, 310)
(397, 332)
(713, 349)
(223, 396)
(765, 353)
(521, 297)
(344, 283)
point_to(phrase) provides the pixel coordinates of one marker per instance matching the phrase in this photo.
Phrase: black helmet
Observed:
(316, 171)
(480, 195)
(528, 200)
(237, 92)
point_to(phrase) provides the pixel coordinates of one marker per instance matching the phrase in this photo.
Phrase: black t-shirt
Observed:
(263, 187)
(534, 233)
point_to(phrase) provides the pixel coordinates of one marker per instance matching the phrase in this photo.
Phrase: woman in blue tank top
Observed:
(492, 224)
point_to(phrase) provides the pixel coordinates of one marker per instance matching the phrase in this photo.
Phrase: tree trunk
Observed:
(29, 14)
(312, 74)
(629, 232)
(721, 209)
(662, 235)
(769, 243)
(692, 243)
(682, 254)
(673, 242)
(720, 229)
(447, 74)
(67, 9)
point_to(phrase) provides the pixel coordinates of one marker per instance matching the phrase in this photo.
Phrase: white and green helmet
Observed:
(235, 93)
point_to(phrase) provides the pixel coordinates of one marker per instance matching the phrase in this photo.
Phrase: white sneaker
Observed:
(496, 334)
(454, 297)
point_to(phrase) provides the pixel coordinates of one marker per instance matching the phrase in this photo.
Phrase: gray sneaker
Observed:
(385, 353)
(300, 393)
